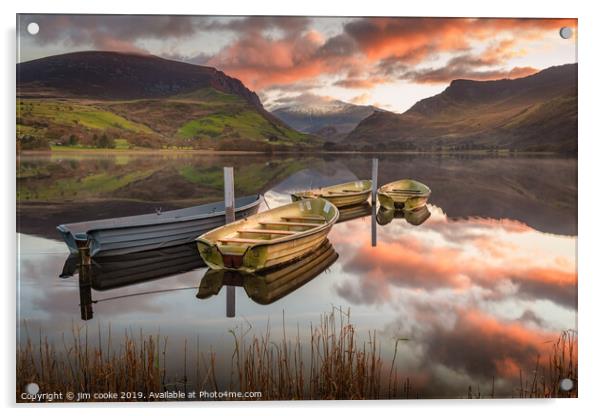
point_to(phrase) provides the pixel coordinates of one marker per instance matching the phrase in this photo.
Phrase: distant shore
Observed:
(305, 152)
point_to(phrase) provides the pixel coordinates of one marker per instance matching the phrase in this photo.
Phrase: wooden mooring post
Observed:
(374, 179)
(85, 283)
(374, 188)
(230, 217)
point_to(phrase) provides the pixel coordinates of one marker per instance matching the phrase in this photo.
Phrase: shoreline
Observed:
(156, 152)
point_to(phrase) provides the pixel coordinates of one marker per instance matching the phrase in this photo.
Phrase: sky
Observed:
(389, 62)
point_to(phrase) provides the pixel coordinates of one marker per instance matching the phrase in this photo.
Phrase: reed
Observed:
(547, 375)
(78, 366)
(331, 361)
(544, 379)
(338, 366)
(330, 364)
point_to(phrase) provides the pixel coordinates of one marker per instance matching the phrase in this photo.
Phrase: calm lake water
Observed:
(478, 289)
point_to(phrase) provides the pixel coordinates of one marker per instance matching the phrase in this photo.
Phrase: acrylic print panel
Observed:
(408, 187)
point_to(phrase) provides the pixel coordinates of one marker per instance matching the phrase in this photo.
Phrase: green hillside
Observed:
(208, 119)
(82, 100)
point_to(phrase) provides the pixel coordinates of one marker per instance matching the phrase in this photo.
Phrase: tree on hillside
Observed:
(28, 142)
(328, 146)
(106, 142)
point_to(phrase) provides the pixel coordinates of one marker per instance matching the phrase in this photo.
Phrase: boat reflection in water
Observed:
(111, 272)
(264, 287)
(354, 211)
(117, 271)
(268, 286)
(416, 217)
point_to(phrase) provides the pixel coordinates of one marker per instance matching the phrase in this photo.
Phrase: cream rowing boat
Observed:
(269, 238)
(270, 285)
(406, 194)
(341, 195)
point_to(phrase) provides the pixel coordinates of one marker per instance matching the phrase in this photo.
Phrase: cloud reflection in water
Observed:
(476, 297)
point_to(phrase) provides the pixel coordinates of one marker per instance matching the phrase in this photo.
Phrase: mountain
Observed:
(323, 116)
(108, 99)
(534, 113)
(121, 76)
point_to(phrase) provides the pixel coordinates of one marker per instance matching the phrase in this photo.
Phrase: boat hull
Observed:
(265, 254)
(399, 202)
(142, 233)
(404, 194)
(268, 286)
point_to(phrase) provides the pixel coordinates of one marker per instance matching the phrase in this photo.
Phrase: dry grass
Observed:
(80, 366)
(338, 366)
(560, 364)
(328, 363)
(545, 378)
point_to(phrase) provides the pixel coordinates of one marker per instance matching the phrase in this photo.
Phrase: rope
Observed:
(266, 201)
(146, 293)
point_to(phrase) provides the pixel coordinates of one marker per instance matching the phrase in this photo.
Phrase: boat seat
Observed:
(241, 240)
(258, 231)
(305, 217)
(405, 191)
(295, 224)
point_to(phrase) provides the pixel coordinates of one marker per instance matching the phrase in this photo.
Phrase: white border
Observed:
(590, 153)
